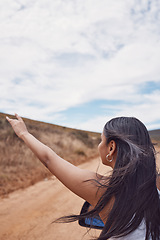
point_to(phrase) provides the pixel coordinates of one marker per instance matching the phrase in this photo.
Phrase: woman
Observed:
(128, 200)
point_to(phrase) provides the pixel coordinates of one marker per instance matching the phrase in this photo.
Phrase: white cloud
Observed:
(56, 55)
(95, 124)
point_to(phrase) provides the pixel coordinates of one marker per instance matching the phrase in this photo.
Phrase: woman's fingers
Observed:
(18, 117)
(12, 121)
(18, 125)
(8, 119)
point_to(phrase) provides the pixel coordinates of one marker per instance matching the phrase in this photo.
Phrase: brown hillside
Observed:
(19, 168)
(155, 136)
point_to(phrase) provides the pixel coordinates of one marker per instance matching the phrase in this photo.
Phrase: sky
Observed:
(79, 63)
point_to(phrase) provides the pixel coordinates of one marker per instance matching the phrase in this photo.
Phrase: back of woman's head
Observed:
(132, 140)
(133, 181)
(128, 127)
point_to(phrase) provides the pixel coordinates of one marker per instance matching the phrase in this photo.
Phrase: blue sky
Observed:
(80, 63)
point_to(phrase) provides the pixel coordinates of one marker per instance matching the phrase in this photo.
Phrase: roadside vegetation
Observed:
(19, 168)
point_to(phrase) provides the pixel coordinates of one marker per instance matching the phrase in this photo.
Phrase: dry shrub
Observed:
(19, 168)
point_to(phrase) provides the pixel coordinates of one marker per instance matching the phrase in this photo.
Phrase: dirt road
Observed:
(27, 214)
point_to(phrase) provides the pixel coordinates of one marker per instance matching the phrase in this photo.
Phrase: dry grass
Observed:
(155, 136)
(19, 168)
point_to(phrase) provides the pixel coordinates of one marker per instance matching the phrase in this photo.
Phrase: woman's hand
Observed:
(18, 125)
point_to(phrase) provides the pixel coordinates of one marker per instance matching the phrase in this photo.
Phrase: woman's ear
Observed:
(112, 147)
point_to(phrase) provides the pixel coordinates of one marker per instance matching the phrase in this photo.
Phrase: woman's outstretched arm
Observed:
(71, 176)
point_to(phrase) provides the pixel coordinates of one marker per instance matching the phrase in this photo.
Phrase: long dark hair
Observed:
(132, 183)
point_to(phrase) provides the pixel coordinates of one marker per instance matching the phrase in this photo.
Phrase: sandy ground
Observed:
(27, 214)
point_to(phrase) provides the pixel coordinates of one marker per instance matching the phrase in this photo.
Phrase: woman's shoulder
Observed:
(139, 233)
